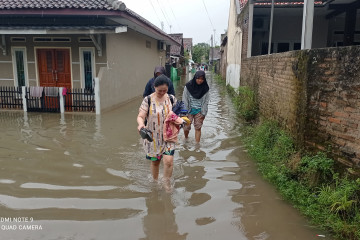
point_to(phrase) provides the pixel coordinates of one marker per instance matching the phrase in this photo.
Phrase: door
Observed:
(54, 71)
(54, 67)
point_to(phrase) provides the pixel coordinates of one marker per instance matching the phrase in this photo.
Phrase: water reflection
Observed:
(193, 178)
(159, 223)
(191, 153)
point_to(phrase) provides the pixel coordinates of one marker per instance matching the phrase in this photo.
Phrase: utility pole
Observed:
(212, 50)
(170, 28)
(162, 25)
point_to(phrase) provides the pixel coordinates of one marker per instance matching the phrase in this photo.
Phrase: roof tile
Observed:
(44, 4)
(70, 4)
(176, 50)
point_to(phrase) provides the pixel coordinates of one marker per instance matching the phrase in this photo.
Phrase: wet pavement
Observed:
(81, 176)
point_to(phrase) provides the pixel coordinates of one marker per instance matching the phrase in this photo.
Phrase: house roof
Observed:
(188, 44)
(114, 10)
(55, 4)
(176, 50)
(296, 3)
(330, 8)
(61, 29)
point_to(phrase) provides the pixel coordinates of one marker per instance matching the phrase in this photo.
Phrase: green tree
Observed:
(200, 50)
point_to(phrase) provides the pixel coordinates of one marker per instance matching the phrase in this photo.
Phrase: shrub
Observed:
(315, 170)
(246, 104)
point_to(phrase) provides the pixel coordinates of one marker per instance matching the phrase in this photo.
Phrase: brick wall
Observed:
(314, 94)
(279, 91)
(334, 102)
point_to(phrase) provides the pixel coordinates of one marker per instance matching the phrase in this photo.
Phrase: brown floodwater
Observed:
(84, 177)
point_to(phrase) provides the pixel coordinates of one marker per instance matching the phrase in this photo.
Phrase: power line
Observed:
(163, 13)
(164, 8)
(208, 15)
(155, 11)
(174, 15)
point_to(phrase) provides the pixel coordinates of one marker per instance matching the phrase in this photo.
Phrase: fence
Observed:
(43, 103)
(11, 98)
(71, 100)
(80, 100)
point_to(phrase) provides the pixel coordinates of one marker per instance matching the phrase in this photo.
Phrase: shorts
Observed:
(159, 157)
(198, 120)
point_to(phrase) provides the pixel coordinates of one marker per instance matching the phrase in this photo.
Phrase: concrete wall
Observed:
(223, 61)
(243, 22)
(314, 94)
(130, 65)
(233, 48)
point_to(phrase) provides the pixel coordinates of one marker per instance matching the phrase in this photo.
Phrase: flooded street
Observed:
(82, 176)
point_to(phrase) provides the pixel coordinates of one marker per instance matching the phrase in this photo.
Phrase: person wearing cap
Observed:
(158, 149)
(149, 88)
(196, 100)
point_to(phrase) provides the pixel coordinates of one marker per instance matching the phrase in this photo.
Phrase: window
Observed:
(18, 39)
(19, 65)
(283, 47)
(297, 46)
(87, 67)
(339, 44)
(84, 39)
(265, 48)
(51, 39)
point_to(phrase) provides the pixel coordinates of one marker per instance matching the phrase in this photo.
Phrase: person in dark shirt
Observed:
(149, 88)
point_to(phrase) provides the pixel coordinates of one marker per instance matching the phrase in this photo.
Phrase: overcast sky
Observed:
(196, 19)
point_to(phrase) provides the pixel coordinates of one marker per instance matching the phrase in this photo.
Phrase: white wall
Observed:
(233, 49)
(130, 64)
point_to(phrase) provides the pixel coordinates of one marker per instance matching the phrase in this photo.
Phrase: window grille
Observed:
(88, 71)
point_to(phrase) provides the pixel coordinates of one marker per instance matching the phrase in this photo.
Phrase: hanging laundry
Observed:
(51, 91)
(36, 91)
